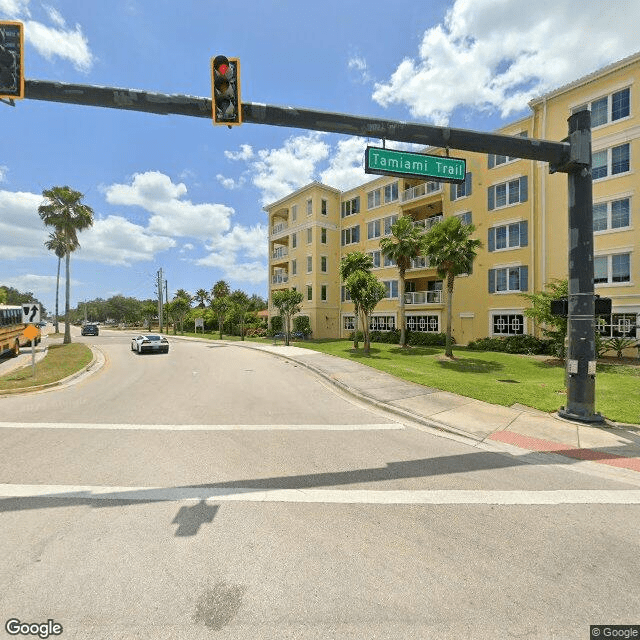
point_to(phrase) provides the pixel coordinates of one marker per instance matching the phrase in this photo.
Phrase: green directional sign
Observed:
(387, 162)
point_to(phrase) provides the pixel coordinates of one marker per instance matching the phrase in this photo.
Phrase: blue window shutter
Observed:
(452, 194)
(491, 160)
(467, 184)
(492, 239)
(524, 278)
(492, 280)
(492, 198)
(524, 188)
(524, 233)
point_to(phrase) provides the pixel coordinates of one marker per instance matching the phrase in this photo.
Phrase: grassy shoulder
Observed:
(62, 360)
(498, 378)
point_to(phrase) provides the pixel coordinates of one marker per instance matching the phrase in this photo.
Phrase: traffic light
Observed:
(225, 87)
(602, 306)
(11, 60)
(560, 307)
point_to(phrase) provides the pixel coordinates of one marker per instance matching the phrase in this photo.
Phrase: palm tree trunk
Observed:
(57, 292)
(403, 331)
(448, 349)
(67, 325)
(355, 328)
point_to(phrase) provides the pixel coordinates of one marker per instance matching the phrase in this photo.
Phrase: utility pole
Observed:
(166, 297)
(160, 309)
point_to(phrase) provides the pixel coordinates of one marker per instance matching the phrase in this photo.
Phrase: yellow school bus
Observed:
(11, 330)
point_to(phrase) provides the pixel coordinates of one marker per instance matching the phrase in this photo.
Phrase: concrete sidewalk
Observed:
(610, 444)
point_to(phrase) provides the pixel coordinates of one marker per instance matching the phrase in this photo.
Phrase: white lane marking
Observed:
(345, 496)
(202, 427)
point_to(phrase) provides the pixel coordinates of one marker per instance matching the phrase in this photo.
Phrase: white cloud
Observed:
(35, 283)
(251, 242)
(245, 153)
(359, 65)
(3, 172)
(277, 172)
(171, 216)
(230, 183)
(51, 41)
(496, 56)
(15, 8)
(346, 166)
(22, 233)
(115, 240)
(61, 42)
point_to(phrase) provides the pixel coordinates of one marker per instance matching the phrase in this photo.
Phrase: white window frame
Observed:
(609, 164)
(610, 282)
(609, 205)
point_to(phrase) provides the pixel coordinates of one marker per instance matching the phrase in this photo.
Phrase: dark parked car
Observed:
(90, 330)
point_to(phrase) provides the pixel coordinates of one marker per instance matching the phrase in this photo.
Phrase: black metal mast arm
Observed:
(555, 153)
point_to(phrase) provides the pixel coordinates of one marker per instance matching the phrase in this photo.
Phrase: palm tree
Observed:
(355, 262)
(63, 210)
(367, 290)
(56, 244)
(402, 247)
(201, 297)
(220, 289)
(451, 251)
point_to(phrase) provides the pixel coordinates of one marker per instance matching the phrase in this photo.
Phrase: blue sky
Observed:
(178, 193)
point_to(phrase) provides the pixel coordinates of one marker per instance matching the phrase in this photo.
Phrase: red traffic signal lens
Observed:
(221, 64)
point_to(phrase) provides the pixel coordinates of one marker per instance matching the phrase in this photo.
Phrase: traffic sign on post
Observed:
(11, 60)
(386, 162)
(30, 313)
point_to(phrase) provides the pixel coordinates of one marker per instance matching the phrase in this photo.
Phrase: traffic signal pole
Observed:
(571, 156)
(581, 352)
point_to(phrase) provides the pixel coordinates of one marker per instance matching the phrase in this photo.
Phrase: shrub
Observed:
(302, 324)
(423, 339)
(276, 324)
(513, 344)
(619, 345)
(256, 332)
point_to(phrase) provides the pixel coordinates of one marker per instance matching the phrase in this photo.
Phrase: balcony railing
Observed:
(280, 278)
(279, 228)
(423, 297)
(427, 223)
(420, 262)
(420, 190)
(280, 252)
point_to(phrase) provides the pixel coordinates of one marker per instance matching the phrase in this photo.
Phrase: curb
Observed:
(98, 359)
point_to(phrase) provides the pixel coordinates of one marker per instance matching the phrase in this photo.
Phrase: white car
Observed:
(150, 342)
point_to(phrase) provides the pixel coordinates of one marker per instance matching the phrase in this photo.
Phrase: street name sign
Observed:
(387, 162)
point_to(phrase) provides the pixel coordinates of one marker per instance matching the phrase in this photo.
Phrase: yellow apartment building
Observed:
(519, 210)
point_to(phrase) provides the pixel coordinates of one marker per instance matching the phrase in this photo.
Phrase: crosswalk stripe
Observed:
(202, 427)
(344, 496)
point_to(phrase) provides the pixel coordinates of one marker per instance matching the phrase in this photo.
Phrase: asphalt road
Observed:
(221, 492)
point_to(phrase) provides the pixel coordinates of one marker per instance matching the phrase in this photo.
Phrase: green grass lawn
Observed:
(61, 361)
(498, 378)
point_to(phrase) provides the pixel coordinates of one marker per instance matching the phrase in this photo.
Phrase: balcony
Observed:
(423, 297)
(280, 253)
(279, 228)
(280, 277)
(427, 223)
(421, 262)
(421, 190)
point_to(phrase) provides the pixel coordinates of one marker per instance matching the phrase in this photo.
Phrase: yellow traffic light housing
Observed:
(225, 90)
(11, 60)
